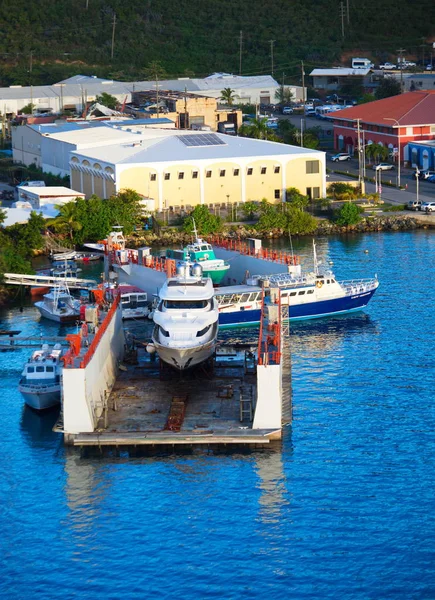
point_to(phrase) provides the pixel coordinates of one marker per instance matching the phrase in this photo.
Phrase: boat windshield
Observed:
(185, 304)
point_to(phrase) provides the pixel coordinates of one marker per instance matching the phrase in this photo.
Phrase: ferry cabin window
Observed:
(310, 291)
(185, 304)
(301, 293)
(284, 295)
(312, 166)
(328, 281)
(39, 369)
(253, 297)
(204, 248)
(30, 369)
(244, 298)
(292, 293)
(49, 369)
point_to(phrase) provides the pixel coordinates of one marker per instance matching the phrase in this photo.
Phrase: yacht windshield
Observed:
(185, 304)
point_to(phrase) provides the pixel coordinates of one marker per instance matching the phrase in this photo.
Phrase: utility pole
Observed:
(240, 51)
(302, 132)
(422, 46)
(271, 42)
(342, 14)
(185, 108)
(283, 88)
(303, 82)
(347, 10)
(401, 51)
(358, 121)
(113, 35)
(30, 78)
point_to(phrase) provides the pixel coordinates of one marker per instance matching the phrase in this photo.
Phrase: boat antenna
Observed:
(316, 264)
(194, 228)
(291, 244)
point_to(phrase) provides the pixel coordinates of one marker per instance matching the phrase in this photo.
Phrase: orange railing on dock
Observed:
(269, 339)
(278, 256)
(101, 331)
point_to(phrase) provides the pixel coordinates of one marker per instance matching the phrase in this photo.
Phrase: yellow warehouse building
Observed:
(180, 169)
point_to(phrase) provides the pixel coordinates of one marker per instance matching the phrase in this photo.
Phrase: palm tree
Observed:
(376, 152)
(66, 221)
(228, 96)
(256, 129)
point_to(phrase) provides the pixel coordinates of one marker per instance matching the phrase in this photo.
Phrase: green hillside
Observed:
(54, 39)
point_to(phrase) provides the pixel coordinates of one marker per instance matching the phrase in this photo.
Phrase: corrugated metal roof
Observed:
(412, 108)
(339, 72)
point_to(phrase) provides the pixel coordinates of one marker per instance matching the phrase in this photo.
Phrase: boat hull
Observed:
(39, 291)
(185, 358)
(216, 275)
(58, 317)
(40, 399)
(299, 312)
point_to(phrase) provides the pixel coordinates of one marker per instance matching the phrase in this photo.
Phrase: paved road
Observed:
(425, 187)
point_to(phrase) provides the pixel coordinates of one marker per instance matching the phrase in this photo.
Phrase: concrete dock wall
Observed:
(268, 409)
(85, 390)
(240, 263)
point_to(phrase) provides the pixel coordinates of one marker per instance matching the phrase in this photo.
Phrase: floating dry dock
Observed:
(242, 397)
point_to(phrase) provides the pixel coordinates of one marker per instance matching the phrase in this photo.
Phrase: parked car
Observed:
(430, 67)
(425, 174)
(383, 167)
(428, 207)
(340, 156)
(414, 205)
(388, 66)
(431, 179)
(287, 110)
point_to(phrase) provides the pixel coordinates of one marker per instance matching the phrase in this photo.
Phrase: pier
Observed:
(47, 280)
(238, 398)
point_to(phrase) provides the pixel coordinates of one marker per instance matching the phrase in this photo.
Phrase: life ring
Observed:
(206, 256)
(319, 284)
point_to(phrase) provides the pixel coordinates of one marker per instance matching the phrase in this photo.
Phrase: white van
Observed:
(362, 63)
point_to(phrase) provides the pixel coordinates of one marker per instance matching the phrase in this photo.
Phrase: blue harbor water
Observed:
(343, 510)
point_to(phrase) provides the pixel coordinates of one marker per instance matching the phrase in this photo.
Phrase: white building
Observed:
(41, 197)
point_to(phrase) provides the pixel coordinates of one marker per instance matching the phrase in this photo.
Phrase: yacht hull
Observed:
(40, 399)
(299, 312)
(185, 358)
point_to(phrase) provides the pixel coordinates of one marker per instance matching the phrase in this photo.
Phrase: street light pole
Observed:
(398, 147)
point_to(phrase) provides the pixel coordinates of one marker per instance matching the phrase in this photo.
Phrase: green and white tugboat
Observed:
(202, 252)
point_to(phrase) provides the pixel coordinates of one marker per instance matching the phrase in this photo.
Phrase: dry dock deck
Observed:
(217, 407)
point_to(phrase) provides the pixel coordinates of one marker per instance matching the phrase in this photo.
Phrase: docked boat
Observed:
(58, 305)
(308, 296)
(186, 318)
(202, 252)
(63, 256)
(134, 301)
(40, 382)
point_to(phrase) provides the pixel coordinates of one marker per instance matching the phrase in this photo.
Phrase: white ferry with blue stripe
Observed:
(310, 296)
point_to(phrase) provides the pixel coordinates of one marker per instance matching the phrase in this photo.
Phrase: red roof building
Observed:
(392, 122)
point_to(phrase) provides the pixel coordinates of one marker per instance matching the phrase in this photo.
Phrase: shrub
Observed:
(348, 214)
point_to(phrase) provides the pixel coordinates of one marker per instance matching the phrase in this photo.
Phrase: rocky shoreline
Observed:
(370, 224)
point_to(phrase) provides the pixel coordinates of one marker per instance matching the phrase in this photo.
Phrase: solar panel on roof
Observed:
(204, 139)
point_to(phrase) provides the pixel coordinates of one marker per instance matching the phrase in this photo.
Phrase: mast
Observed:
(316, 264)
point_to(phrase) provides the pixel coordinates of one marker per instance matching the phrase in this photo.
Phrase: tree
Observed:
(28, 109)
(28, 236)
(205, 222)
(2, 217)
(376, 152)
(249, 209)
(297, 200)
(284, 95)
(256, 129)
(228, 96)
(348, 214)
(300, 222)
(107, 100)
(388, 87)
(156, 72)
(367, 98)
(271, 217)
(66, 221)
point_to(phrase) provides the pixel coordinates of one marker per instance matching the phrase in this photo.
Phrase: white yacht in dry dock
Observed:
(186, 318)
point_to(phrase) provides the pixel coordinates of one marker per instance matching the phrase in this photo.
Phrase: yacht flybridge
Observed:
(186, 318)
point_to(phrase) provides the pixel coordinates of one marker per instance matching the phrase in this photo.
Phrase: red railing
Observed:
(269, 339)
(279, 256)
(101, 331)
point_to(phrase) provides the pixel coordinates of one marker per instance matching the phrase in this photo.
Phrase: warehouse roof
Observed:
(173, 146)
